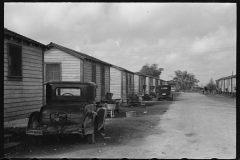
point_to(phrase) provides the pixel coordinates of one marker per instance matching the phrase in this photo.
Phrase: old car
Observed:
(70, 109)
(164, 92)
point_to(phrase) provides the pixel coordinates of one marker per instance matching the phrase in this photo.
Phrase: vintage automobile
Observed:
(70, 109)
(164, 92)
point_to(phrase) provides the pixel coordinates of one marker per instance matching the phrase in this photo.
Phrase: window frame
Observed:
(10, 77)
(45, 70)
(69, 89)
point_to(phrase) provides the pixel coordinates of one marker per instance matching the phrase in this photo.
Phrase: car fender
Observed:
(89, 122)
(34, 120)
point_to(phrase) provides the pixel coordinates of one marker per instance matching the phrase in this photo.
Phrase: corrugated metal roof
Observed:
(16, 35)
(76, 53)
(233, 76)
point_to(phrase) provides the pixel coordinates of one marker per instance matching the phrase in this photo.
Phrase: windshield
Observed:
(68, 92)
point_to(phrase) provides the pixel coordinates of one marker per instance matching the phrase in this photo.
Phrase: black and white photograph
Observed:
(135, 80)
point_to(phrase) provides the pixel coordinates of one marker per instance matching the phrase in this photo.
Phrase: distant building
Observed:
(227, 84)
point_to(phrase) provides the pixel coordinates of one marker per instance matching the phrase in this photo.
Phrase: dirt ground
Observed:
(191, 126)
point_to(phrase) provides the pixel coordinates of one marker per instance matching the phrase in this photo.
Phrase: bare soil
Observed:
(190, 126)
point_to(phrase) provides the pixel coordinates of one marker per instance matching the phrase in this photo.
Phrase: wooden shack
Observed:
(227, 84)
(116, 82)
(64, 64)
(121, 83)
(23, 75)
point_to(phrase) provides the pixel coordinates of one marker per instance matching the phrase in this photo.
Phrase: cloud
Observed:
(197, 37)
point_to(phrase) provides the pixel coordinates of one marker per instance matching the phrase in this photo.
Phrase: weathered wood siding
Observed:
(70, 65)
(136, 84)
(98, 82)
(233, 84)
(107, 79)
(150, 84)
(115, 82)
(147, 85)
(154, 84)
(131, 82)
(140, 86)
(25, 96)
(124, 92)
(87, 71)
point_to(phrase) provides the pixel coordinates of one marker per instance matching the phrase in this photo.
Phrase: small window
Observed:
(14, 61)
(68, 92)
(164, 88)
(53, 72)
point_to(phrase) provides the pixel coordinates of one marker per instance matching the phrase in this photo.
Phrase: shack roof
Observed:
(76, 53)
(228, 77)
(10, 34)
(122, 69)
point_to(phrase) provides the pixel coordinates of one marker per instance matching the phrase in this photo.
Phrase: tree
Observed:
(211, 84)
(152, 70)
(186, 80)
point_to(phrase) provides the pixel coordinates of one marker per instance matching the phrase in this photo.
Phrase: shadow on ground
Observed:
(119, 131)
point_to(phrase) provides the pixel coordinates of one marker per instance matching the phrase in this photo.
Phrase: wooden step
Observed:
(11, 144)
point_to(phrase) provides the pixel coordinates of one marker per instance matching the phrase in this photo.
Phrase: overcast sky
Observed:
(197, 37)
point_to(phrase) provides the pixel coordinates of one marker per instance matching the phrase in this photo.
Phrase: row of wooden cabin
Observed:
(28, 65)
(227, 84)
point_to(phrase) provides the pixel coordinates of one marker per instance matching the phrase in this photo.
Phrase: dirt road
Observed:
(191, 126)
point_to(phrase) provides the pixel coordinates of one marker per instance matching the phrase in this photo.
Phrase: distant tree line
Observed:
(185, 80)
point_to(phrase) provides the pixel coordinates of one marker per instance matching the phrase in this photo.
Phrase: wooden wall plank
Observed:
(27, 112)
(124, 95)
(115, 82)
(136, 84)
(23, 108)
(107, 79)
(98, 82)
(6, 92)
(20, 104)
(87, 71)
(21, 87)
(147, 85)
(22, 100)
(22, 95)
